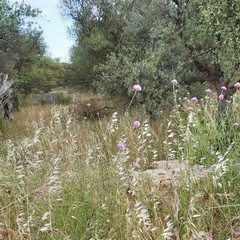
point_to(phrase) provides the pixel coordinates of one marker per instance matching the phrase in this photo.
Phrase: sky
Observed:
(54, 28)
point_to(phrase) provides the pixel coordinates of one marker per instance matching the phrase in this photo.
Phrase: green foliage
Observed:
(64, 101)
(42, 74)
(42, 102)
(22, 50)
(97, 29)
(123, 71)
(213, 33)
(17, 39)
(200, 135)
(151, 42)
(144, 59)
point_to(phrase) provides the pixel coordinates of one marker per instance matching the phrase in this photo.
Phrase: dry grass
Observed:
(66, 179)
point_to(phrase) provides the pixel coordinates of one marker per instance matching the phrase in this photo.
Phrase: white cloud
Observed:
(62, 51)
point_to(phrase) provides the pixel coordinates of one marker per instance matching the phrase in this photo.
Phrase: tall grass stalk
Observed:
(67, 179)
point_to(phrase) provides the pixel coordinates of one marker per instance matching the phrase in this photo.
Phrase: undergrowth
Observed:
(68, 179)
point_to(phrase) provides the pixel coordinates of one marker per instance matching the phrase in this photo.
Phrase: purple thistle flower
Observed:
(120, 146)
(136, 124)
(223, 88)
(194, 100)
(137, 88)
(237, 85)
(190, 109)
(221, 97)
(174, 82)
(137, 166)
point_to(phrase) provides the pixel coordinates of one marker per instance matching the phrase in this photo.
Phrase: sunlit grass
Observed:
(63, 178)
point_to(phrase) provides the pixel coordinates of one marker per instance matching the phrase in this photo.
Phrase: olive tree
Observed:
(163, 40)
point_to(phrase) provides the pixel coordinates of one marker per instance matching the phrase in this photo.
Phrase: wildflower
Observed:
(120, 146)
(194, 100)
(223, 88)
(208, 91)
(221, 97)
(174, 82)
(237, 85)
(136, 166)
(235, 125)
(136, 124)
(137, 88)
(190, 109)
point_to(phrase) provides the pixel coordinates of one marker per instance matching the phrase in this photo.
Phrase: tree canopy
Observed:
(119, 43)
(17, 38)
(23, 50)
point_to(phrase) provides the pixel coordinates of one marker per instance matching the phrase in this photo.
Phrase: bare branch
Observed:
(5, 87)
(5, 94)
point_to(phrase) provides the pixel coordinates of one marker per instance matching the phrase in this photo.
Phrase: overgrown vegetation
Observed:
(68, 179)
(72, 171)
(119, 43)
